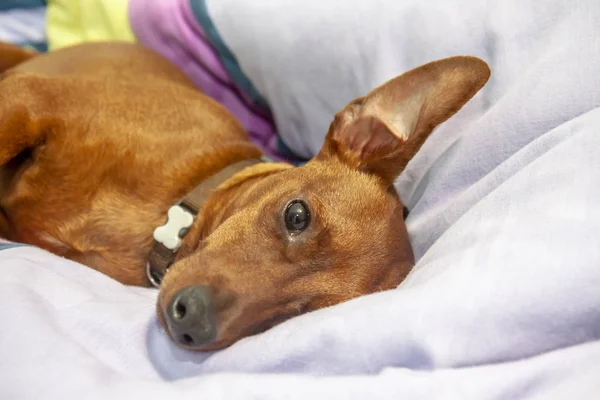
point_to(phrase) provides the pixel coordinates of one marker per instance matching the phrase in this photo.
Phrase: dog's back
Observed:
(100, 60)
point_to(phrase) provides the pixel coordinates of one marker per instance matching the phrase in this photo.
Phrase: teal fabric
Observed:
(42, 47)
(9, 4)
(286, 152)
(6, 246)
(227, 58)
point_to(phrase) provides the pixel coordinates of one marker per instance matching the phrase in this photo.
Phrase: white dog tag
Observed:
(168, 234)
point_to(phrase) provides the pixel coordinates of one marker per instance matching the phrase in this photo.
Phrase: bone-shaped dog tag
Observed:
(168, 234)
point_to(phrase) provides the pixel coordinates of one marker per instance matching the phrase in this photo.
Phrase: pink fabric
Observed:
(170, 28)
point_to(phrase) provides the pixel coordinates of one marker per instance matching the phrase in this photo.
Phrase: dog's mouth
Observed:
(188, 341)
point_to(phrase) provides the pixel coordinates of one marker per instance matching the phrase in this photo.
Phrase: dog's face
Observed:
(275, 241)
(290, 241)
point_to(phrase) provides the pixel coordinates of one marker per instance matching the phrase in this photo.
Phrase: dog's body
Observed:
(95, 171)
(98, 141)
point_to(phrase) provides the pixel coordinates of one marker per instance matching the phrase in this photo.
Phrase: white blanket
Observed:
(504, 198)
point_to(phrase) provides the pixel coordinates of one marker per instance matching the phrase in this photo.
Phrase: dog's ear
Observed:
(380, 132)
(27, 106)
(11, 55)
(18, 104)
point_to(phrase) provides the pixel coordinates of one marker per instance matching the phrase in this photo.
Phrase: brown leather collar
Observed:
(167, 238)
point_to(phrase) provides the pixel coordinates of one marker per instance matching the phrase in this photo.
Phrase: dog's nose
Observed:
(190, 318)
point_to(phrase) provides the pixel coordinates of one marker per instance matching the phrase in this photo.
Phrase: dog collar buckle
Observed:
(153, 277)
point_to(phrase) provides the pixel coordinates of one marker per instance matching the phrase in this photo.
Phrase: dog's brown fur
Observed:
(97, 141)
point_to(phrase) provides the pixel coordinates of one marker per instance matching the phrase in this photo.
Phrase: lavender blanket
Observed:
(503, 302)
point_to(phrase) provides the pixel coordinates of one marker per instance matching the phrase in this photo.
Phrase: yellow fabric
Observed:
(74, 21)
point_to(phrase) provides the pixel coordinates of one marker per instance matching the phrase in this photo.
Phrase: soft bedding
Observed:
(504, 300)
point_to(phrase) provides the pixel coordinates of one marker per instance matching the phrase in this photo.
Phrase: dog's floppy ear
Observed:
(380, 132)
(27, 104)
(11, 55)
(18, 104)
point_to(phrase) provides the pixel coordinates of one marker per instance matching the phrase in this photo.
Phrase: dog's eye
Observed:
(297, 216)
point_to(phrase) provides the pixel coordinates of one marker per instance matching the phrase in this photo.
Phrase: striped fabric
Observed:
(182, 31)
(22, 24)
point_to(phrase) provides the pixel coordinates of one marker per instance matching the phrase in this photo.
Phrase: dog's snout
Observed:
(190, 318)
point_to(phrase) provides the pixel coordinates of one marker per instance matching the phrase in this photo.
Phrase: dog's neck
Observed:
(184, 216)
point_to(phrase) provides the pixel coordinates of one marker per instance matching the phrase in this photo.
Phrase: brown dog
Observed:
(99, 142)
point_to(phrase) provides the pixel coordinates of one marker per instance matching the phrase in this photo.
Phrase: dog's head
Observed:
(274, 241)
